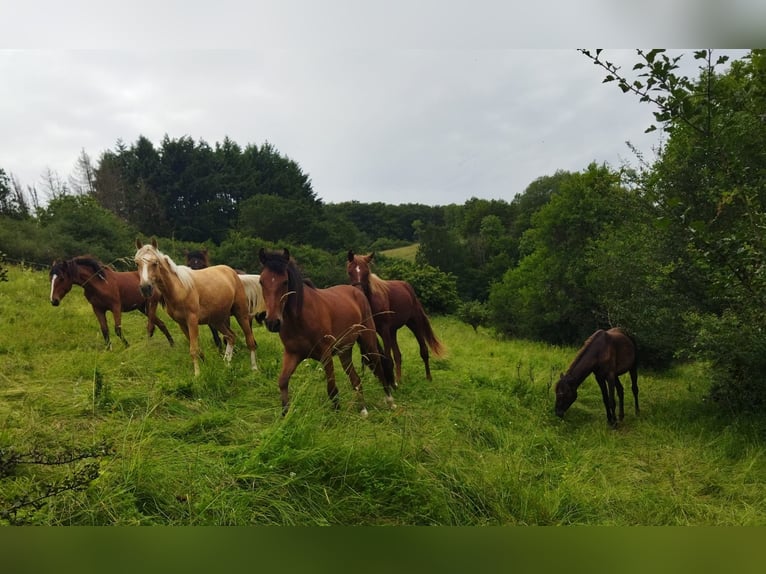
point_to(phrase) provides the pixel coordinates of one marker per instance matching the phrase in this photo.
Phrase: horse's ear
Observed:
(154, 242)
(262, 255)
(350, 255)
(368, 258)
(204, 251)
(139, 245)
(372, 256)
(286, 253)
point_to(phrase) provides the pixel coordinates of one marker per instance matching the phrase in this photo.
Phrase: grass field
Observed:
(479, 445)
(407, 253)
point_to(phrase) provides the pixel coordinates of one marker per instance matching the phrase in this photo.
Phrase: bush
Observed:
(436, 289)
(736, 351)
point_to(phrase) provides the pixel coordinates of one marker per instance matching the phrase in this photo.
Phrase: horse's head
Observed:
(61, 278)
(147, 260)
(358, 269)
(566, 394)
(197, 259)
(282, 287)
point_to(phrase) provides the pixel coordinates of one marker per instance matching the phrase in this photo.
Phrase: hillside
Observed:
(478, 445)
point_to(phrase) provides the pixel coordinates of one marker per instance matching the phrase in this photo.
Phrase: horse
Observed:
(606, 354)
(106, 290)
(198, 259)
(394, 304)
(319, 323)
(203, 297)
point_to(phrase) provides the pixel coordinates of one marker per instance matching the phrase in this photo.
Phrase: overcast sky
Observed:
(400, 124)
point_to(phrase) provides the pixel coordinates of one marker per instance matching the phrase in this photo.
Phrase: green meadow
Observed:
(130, 437)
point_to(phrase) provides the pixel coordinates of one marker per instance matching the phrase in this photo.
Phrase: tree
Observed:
(709, 189)
(546, 296)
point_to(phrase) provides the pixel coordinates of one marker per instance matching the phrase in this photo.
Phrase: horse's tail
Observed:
(433, 342)
(255, 302)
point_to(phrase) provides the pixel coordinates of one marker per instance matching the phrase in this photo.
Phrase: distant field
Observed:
(407, 253)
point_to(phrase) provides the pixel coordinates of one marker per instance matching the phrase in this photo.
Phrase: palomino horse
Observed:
(606, 354)
(394, 304)
(319, 323)
(192, 298)
(106, 290)
(198, 259)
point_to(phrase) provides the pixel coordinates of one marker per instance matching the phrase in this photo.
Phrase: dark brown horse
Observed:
(192, 298)
(106, 290)
(606, 354)
(394, 305)
(319, 323)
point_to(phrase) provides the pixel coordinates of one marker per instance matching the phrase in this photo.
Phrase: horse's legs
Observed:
(151, 313)
(329, 373)
(230, 338)
(101, 316)
(620, 395)
(391, 350)
(380, 363)
(289, 363)
(608, 403)
(191, 330)
(216, 338)
(345, 357)
(243, 318)
(117, 316)
(157, 321)
(634, 385)
(416, 330)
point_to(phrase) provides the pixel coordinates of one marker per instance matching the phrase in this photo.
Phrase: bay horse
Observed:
(394, 305)
(192, 298)
(199, 259)
(318, 323)
(106, 290)
(606, 354)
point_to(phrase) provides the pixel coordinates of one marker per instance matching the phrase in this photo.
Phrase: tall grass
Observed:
(477, 445)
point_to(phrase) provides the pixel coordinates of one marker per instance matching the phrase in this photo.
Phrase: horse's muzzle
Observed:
(55, 302)
(146, 291)
(273, 325)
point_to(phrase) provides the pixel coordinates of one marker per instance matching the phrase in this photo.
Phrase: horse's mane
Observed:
(583, 349)
(183, 272)
(93, 264)
(276, 262)
(378, 285)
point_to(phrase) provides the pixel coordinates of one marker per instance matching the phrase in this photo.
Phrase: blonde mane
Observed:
(183, 272)
(378, 285)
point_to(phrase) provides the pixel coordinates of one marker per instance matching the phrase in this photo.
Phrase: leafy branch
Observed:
(657, 82)
(35, 498)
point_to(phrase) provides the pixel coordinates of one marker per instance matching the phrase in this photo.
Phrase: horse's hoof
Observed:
(363, 413)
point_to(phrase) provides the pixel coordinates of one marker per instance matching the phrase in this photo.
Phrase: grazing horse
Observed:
(394, 304)
(606, 354)
(198, 259)
(319, 323)
(106, 290)
(205, 297)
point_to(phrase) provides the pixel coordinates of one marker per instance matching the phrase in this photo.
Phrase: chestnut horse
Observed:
(606, 354)
(319, 323)
(198, 259)
(105, 290)
(394, 305)
(205, 297)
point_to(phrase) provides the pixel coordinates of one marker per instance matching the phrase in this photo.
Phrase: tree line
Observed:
(671, 249)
